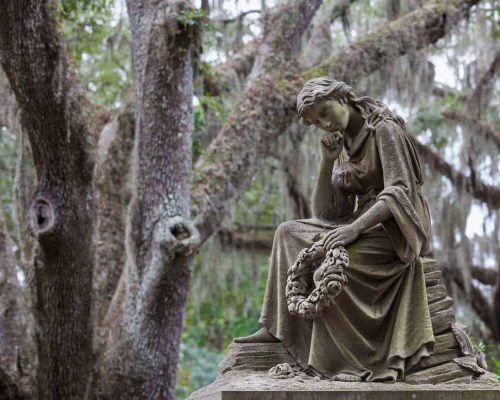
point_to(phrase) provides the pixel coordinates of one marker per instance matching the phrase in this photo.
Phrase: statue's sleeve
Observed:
(401, 190)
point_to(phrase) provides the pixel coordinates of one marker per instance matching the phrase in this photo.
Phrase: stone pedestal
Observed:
(453, 372)
(256, 385)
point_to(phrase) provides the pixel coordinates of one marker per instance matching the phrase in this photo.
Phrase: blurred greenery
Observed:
(98, 37)
(492, 354)
(8, 143)
(224, 302)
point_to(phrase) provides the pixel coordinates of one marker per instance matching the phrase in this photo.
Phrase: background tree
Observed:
(194, 147)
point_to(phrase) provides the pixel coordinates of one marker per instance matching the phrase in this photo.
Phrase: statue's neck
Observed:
(356, 122)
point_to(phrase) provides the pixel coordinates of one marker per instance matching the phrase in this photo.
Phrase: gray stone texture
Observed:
(256, 385)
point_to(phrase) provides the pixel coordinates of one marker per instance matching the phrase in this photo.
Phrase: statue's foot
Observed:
(261, 336)
(346, 378)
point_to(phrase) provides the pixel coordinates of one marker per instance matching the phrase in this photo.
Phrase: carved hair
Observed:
(373, 111)
(326, 88)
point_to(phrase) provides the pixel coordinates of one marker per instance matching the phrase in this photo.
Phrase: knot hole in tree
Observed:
(42, 215)
(180, 231)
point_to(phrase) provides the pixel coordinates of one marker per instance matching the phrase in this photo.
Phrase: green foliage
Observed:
(494, 17)
(190, 16)
(205, 109)
(224, 302)
(430, 118)
(7, 170)
(215, 105)
(97, 34)
(197, 368)
(490, 350)
(260, 203)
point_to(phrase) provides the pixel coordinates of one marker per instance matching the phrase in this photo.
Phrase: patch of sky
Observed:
(479, 221)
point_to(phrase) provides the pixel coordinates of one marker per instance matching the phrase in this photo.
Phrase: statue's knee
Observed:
(284, 229)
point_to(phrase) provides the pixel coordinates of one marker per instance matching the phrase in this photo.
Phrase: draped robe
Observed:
(379, 325)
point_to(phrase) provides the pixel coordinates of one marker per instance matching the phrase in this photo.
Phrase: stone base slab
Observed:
(354, 395)
(256, 385)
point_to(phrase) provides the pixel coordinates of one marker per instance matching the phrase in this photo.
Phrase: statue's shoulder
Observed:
(383, 118)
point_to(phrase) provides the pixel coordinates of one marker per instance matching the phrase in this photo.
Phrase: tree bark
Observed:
(143, 352)
(10, 390)
(475, 187)
(113, 169)
(478, 301)
(487, 276)
(61, 215)
(24, 185)
(479, 96)
(15, 367)
(8, 105)
(264, 110)
(412, 31)
(229, 75)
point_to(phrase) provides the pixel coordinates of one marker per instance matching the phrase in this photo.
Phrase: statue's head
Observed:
(324, 102)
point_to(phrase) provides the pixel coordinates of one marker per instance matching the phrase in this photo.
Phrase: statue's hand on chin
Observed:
(331, 146)
(340, 236)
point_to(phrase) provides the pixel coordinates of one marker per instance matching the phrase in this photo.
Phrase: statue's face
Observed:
(329, 115)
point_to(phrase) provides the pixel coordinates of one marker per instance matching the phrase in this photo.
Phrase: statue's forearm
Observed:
(322, 197)
(376, 214)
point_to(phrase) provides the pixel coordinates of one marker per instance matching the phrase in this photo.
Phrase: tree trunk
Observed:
(113, 169)
(16, 371)
(143, 351)
(61, 213)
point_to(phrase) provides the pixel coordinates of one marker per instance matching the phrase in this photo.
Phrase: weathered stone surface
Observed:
(439, 374)
(256, 356)
(433, 278)
(244, 372)
(442, 321)
(440, 305)
(436, 293)
(430, 265)
(252, 385)
(438, 358)
(445, 341)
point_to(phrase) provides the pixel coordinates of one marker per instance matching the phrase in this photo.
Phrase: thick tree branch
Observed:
(488, 276)
(476, 188)
(245, 240)
(301, 202)
(411, 31)
(443, 90)
(468, 119)
(264, 110)
(113, 169)
(478, 301)
(319, 43)
(267, 106)
(225, 77)
(477, 99)
(53, 116)
(239, 17)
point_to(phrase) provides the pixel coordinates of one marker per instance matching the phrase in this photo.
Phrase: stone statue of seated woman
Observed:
(367, 203)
